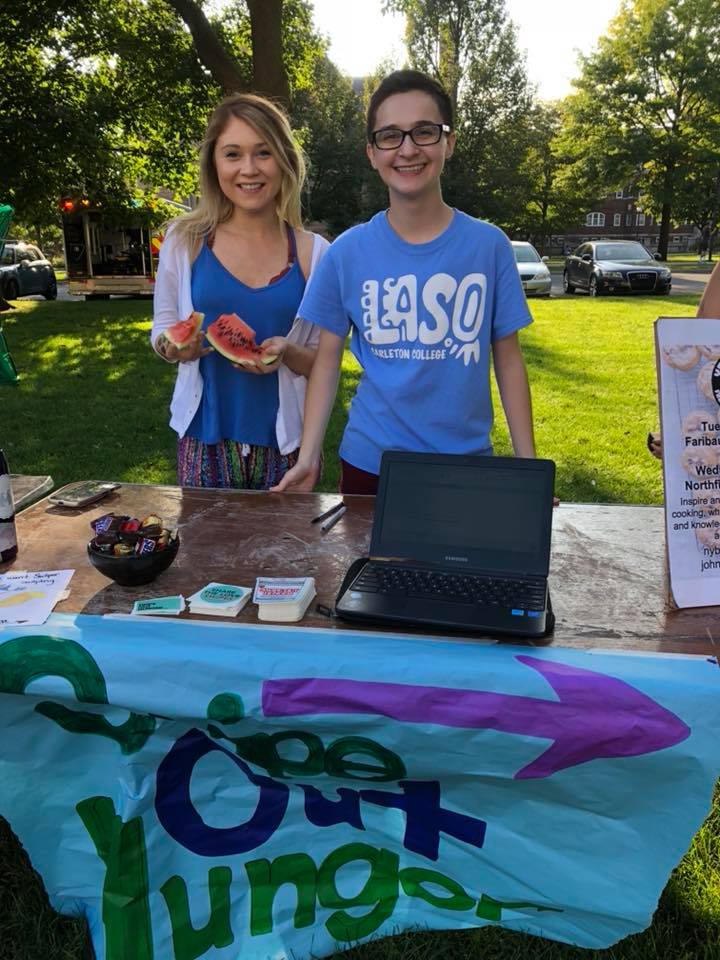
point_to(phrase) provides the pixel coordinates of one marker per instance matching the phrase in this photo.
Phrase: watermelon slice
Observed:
(234, 339)
(180, 334)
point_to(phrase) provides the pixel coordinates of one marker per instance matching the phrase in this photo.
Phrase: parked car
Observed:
(24, 270)
(534, 274)
(615, 266)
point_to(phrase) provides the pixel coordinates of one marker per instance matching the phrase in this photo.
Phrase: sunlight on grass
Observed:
(152, 466)
(592, 372)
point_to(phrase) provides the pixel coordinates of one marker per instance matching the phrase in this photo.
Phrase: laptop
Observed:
(459, 542)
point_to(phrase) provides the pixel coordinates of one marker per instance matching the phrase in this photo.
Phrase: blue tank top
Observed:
(235, 405)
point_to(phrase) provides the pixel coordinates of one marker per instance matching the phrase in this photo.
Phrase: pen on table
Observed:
(328, 513)
(332, 520)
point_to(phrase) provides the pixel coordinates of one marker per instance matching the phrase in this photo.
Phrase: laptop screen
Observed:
(461, 512)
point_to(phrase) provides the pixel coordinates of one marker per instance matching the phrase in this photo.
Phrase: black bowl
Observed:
(132, 571)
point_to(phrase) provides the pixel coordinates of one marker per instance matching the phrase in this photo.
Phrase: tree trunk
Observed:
(668, 184)
(664, 238)
(211, 53)
(269, 76)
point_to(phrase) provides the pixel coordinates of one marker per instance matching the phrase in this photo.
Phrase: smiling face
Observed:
(247, 171)
(410, 170)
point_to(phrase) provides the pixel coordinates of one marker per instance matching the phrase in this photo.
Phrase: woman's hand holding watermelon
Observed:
(193, 349)
(276, 350)
(272, 351)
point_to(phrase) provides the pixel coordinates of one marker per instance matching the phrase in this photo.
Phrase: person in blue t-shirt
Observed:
(429, 294)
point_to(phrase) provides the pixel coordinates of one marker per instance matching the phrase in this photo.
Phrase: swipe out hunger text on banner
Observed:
(240, 791)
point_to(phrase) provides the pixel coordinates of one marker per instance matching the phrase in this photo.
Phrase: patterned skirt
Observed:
(240, 466)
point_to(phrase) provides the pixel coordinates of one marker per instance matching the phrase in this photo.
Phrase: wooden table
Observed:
(27, 489)
(608, 580)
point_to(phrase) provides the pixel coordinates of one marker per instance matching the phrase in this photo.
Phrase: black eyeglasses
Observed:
(423, 135)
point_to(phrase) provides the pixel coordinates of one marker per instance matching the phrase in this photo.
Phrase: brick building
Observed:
(620, 216)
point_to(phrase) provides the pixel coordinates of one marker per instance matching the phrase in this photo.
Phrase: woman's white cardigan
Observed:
(173, 302)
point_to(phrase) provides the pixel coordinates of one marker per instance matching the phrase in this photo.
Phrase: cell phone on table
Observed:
(82, 493)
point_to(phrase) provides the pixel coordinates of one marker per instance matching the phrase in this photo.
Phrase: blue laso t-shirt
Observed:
(423, 317)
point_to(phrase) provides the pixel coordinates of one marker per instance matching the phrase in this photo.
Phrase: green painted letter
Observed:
(125, 908)
(381, 889)
(338, 762)
(490, 909)
(188, 942)
(265, 880)
(25, 659)
(413, 878)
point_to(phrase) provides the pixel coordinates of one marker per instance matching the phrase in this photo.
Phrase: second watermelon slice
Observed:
(234, 339)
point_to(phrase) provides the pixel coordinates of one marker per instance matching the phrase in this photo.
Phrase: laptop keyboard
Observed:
(390, 580)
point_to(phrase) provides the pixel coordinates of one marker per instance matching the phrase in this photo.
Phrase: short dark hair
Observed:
(405, 81)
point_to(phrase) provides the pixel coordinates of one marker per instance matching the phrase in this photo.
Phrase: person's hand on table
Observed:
(273, 346)
(300, 479)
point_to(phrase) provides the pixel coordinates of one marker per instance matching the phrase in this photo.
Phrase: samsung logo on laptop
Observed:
(460, 559)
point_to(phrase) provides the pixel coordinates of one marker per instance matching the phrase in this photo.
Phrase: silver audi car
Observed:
(534, 274)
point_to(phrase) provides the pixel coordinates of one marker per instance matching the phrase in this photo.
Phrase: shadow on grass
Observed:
(93, 397)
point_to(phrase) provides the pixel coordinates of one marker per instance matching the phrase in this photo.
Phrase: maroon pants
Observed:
(355, 480)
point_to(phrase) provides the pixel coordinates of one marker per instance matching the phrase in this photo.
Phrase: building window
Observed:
(595, 220)
(640, 220)
(649, 220)
(618, 194)
(617, 219)
(628, 219)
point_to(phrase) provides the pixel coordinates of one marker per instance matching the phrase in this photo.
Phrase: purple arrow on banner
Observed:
(595, 715)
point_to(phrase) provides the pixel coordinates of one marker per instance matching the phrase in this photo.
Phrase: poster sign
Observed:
(688, 357)
(226, 790)
(28, 597)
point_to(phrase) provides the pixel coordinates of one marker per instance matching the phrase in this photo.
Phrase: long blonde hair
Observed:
(214, 207)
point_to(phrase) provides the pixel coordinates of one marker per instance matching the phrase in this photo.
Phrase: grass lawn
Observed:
(689, 263)
(93, 398)
(92, 403)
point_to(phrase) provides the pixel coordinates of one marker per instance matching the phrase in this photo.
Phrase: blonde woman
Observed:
(242, 250)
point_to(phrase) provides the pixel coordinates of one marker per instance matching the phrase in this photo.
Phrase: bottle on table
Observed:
(8, 536)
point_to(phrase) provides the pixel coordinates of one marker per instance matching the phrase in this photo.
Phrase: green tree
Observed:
(328, 114)
(111, 99)
(648, 100)
(554, 199)
(99, 98)
(698, 198)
